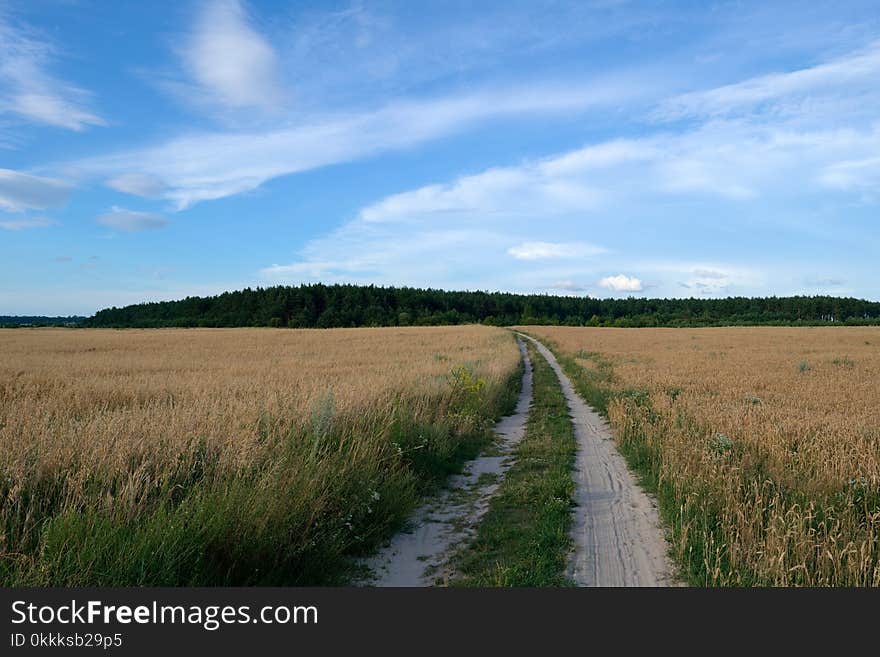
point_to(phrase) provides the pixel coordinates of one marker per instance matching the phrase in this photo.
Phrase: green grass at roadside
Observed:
(523, 540)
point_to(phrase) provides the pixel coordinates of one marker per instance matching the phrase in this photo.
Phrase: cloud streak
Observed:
(568, 286)
(216, 165)
(137, 184)
(21, 191)
(553, 250)
(26, 224)
(838, 77)
(30, 92)
(131, 221)
(533, 213)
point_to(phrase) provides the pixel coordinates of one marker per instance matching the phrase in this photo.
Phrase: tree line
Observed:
(15, 321)
(329, 306)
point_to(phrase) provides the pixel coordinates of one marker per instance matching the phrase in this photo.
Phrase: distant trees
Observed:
(326, 306)
(11, 321)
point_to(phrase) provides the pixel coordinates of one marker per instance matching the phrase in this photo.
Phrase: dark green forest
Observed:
(326, 306)
(11, 321)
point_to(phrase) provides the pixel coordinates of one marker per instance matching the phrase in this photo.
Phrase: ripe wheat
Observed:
(763, 443)
(228, 456)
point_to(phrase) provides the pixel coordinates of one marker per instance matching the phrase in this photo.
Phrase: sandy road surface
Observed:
(616, 528)
(420, 557)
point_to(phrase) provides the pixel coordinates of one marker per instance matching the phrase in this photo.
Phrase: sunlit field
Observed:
(763, 444)
(230, 456)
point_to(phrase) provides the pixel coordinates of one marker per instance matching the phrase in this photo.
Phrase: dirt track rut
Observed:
(616, 528)
(420, 557)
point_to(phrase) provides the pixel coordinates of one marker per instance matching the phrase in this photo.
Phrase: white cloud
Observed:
(470, 193)
(858, 69)
(131, 221)
(621, 283)
(738, 159)
(545, 250)
(230, 60)
(24, 224)
(601, 156)
(852, 174)
(139, 184)
(29, 91)
(750, 150)
(50, 106)
(737, 163)
(730, 161)
(697, 172)
(21, 191)
(212, 166)
(742, 166)
(512, 190)
(556, 185)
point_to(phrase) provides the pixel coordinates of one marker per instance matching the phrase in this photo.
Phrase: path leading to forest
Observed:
(616, 528)
(420, 557)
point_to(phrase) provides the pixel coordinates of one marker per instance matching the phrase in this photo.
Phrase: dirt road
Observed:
(616, 528)
(420, 557)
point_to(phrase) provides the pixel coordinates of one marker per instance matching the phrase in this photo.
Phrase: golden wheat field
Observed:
(104, 432)
(98, 396)
(764, 443)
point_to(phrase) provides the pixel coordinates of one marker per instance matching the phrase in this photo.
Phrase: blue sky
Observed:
(158, 150)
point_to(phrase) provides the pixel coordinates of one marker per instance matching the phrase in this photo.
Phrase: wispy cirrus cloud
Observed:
(21, 191)
(852, 174)
(131, 221)
(369, 48)
(27, 89)
(559, 184)
(554, 250)
(568, 286)
(729, 152)
(789, 149)
(744, 157)
(210, 166)
(521, 189)
(745, 161)
(27, 223)
(137, 184)
(789, 93)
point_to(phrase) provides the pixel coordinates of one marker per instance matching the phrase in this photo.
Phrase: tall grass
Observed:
(768, 473)
(230, 457)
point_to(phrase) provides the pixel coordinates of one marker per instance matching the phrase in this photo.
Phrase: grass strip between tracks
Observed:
(523, 540)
